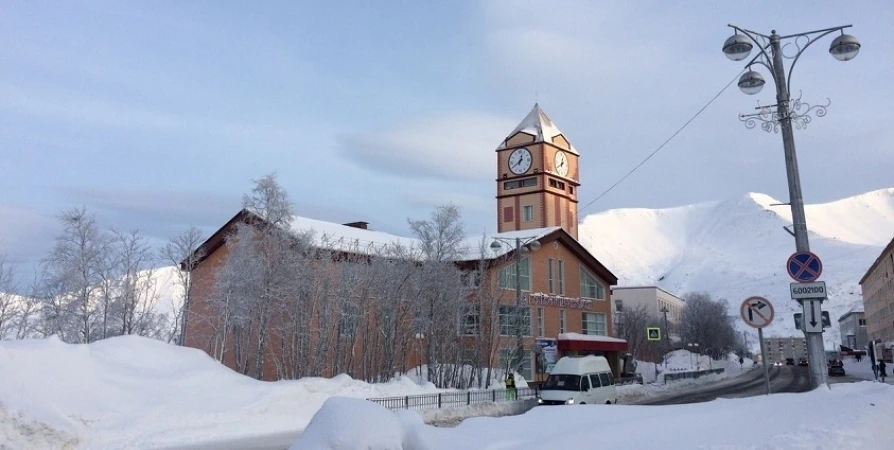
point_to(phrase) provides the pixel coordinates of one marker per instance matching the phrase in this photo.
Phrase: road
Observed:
(782, 379)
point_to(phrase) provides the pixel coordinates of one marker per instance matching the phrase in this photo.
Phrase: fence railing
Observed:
(454, 398)
(670, 376)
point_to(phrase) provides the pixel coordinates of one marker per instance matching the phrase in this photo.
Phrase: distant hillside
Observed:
(737, 248)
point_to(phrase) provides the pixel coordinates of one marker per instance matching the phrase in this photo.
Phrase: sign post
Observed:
(758, 312)
(805, 268)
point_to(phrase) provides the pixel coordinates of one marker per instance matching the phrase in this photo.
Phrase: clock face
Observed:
(520, 161)
(561, 162)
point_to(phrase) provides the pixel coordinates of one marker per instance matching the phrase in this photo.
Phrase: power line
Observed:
(703, 108)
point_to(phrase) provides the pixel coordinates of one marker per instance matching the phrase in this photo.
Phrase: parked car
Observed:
(789, 361)
(579, 381)
(802, 362)
(836, 371)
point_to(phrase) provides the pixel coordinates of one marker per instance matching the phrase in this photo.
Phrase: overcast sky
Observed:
(157, 115)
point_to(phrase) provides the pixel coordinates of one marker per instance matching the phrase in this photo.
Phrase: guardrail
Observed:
(671, 376)
(454, 398)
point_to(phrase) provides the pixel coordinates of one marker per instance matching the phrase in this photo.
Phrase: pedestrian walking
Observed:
(510, 387)
(882, 370)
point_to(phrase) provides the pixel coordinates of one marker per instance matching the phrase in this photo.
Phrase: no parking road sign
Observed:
(757, 312)
(804, 267)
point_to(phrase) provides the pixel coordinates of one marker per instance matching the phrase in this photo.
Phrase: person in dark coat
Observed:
(882, 370)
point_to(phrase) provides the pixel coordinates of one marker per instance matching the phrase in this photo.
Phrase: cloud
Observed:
(25, 235)
(159, 214)
(455, 146)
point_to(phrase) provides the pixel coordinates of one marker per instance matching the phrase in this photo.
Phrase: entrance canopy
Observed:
(588, 343)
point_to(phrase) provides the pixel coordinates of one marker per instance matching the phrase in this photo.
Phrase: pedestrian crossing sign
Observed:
(653, 333)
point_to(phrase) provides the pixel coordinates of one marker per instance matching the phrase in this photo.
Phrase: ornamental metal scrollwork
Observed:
(798, 111)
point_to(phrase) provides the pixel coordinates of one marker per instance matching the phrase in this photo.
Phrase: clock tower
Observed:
(537, 177)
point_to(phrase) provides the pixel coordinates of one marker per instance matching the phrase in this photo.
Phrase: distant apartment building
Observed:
(853, 330)
(782, 348)
(655, 299)
(878, 302)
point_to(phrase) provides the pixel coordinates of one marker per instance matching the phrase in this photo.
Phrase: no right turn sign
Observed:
(757, 312)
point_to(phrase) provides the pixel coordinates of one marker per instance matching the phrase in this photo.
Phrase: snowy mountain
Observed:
(737, 248)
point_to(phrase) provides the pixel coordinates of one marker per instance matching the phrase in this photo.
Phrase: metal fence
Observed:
(690, 374)
(455, 398)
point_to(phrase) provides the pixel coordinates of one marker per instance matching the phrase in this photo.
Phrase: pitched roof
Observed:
(346, 239)
(537, 124)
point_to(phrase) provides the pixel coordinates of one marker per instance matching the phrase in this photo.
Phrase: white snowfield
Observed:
(855, 415)
(737, 248)
(138, 393)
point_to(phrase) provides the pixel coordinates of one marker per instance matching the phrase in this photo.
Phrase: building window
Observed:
(470, 321)
(507, 275)
(590, 287)
(515, 184)
(508, 316)
(539, 321)
(521, 363)
(619, 305)
(570, 189)
(561, 277)
(471, 279)
(508, 214)
(556, 184)
(593, 324)
(529, 213)
(348, 320)
(561, 321)
(551, 275)
(861, 322)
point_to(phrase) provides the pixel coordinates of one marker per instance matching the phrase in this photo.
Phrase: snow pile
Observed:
(133, 392)
(854, 415)
(737, 248)
(370, 426)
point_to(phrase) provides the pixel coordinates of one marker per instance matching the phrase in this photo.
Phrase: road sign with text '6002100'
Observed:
(757, 312)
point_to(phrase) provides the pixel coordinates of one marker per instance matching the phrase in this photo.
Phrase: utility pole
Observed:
(737, 48)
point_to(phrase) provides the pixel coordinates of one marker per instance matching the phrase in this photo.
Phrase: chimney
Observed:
(360, 225)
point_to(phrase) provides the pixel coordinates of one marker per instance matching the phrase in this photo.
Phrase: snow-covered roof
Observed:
(537, 124)
(589, 337)
(364, 241)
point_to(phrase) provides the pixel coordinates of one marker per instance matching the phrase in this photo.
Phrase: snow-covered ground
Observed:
(854, 415)
(680, 361)
(737, 248)
(132, 392)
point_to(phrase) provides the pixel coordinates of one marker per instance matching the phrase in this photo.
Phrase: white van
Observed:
(579, 380)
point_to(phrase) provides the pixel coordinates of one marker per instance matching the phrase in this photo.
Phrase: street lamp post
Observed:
(664, 311)
(522, 246)
(737, 47)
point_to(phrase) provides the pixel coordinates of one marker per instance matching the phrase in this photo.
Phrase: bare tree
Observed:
(71, 275)
(440, 237)
(10, 303)
(183, 249)
(705, 321)
(631, 326)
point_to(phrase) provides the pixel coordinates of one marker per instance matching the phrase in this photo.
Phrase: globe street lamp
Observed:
(782, 115)
(522, 247)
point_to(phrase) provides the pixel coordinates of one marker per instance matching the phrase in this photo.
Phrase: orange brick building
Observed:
(565, 290)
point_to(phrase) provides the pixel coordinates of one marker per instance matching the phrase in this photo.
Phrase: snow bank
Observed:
(370, 426)
(133, 392)
(854, 415)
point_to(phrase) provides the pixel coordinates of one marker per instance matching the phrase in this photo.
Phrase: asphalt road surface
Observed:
(782, 379)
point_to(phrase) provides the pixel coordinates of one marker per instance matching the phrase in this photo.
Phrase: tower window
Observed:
(529, 213)
(571, 189)
(515, 184)
(556, 184)
(508, 214)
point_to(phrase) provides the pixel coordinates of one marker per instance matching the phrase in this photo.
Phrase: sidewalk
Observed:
(863, 370)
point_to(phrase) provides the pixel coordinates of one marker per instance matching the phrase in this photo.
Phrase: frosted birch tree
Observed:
(183, 249)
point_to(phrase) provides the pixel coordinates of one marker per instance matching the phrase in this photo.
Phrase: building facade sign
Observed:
(558, 301)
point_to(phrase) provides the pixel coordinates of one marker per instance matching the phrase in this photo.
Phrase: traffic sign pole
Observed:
(758, 312)
(760, 337)
(806, 267)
